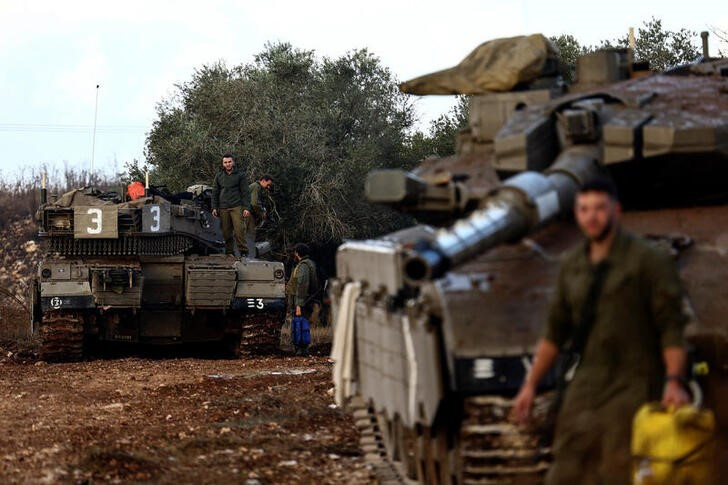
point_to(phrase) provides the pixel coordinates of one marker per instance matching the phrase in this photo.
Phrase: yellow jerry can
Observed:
(672, 446)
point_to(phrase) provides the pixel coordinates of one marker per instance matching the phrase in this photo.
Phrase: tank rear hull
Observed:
(159, 300)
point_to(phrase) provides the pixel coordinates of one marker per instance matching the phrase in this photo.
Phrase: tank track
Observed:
(122, 246)
(374, 445)
(61, 336)
(488, 449)
(261, 335)
(495, 451)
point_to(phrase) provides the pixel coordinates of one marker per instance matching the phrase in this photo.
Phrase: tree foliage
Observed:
(662, 48)
(317, 126)
(569, 51)
(439, 141)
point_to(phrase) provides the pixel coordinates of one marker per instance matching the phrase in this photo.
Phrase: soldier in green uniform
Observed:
(303, 287)
(231, 203)
(633, 353)
(259, 192)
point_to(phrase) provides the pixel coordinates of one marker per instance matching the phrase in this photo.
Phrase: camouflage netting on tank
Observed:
(496, 65)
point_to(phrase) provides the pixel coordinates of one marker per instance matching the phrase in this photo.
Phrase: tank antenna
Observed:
(706, 51)
(632, 42)
(43, 190)
(93, 138)
(146, 183)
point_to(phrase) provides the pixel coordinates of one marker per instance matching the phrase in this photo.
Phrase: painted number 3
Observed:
(155, 218)
(256, 303)
(96, 221)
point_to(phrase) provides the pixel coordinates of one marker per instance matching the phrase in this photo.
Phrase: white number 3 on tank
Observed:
(155, 218)
(96, 221)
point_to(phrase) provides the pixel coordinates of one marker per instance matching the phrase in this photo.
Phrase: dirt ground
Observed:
(174, 420)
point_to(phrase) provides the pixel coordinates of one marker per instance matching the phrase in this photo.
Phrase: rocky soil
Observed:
(174, 420)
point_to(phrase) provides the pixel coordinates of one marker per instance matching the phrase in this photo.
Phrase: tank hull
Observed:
(444, 322)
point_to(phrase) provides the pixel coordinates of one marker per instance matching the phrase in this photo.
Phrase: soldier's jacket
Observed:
(639, 312)
(230, 190)
(303, 283)
(258, 199)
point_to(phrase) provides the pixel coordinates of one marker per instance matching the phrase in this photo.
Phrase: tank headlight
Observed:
(278, 274)
(46, 273)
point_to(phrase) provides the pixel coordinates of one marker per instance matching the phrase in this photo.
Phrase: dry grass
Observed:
(20, 197)
(321, 338)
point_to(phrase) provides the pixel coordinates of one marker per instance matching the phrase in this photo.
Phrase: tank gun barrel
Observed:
(510, 212)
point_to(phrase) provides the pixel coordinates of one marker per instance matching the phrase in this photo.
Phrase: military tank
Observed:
(150, 270)
(436, 324)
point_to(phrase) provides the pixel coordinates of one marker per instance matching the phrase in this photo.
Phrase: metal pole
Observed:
(93, 139)
(43, 190)
(706, 50)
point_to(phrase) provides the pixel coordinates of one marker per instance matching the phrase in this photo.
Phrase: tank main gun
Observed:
(510, 212)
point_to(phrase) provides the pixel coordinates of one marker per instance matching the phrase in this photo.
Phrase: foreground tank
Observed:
(436, 327)
(148, 271)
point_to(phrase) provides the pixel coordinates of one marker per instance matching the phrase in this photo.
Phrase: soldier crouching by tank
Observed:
(259, 195)
(618, 306)
(231, 203)
(303, 289)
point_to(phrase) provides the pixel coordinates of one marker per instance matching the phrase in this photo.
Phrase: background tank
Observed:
(151, 270)
(436, 327)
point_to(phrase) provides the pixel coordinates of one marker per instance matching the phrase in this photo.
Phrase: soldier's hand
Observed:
(674, 395)
(522, 404)
(246, 213)
(214, 212)
(298, 311)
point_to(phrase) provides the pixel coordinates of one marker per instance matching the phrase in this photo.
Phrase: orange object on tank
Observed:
(135, 190)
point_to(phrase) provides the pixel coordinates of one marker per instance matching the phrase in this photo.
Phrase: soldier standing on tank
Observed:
(259, 191)
(629, 295)
(231, 203)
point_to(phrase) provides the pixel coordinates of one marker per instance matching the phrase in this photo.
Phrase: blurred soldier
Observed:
(259, 195)
(231, 203)
(618, 308)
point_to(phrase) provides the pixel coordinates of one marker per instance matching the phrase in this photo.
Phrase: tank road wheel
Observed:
(231, 344)
(61, 336)
(400, 445)
(438, 460)
(387, 447)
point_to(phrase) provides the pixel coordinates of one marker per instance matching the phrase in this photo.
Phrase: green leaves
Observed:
(316, 125)
(662, 48)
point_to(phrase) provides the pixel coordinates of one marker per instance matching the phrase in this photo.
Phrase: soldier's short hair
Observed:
(227, 155)
(302, 249)
(266, 178)
(600, 184)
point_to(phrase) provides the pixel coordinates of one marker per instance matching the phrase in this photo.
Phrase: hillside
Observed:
(20, 254)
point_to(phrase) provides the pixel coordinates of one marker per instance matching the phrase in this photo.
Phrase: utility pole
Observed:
(93, 139)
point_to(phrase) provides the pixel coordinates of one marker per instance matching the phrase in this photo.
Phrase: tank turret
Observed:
(436, 323)
(149, 270)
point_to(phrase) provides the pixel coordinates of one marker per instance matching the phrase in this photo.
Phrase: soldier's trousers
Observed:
(233, 230)
(250, 225)
(592, 446)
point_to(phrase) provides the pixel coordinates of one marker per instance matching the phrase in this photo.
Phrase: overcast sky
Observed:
(54, 53)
